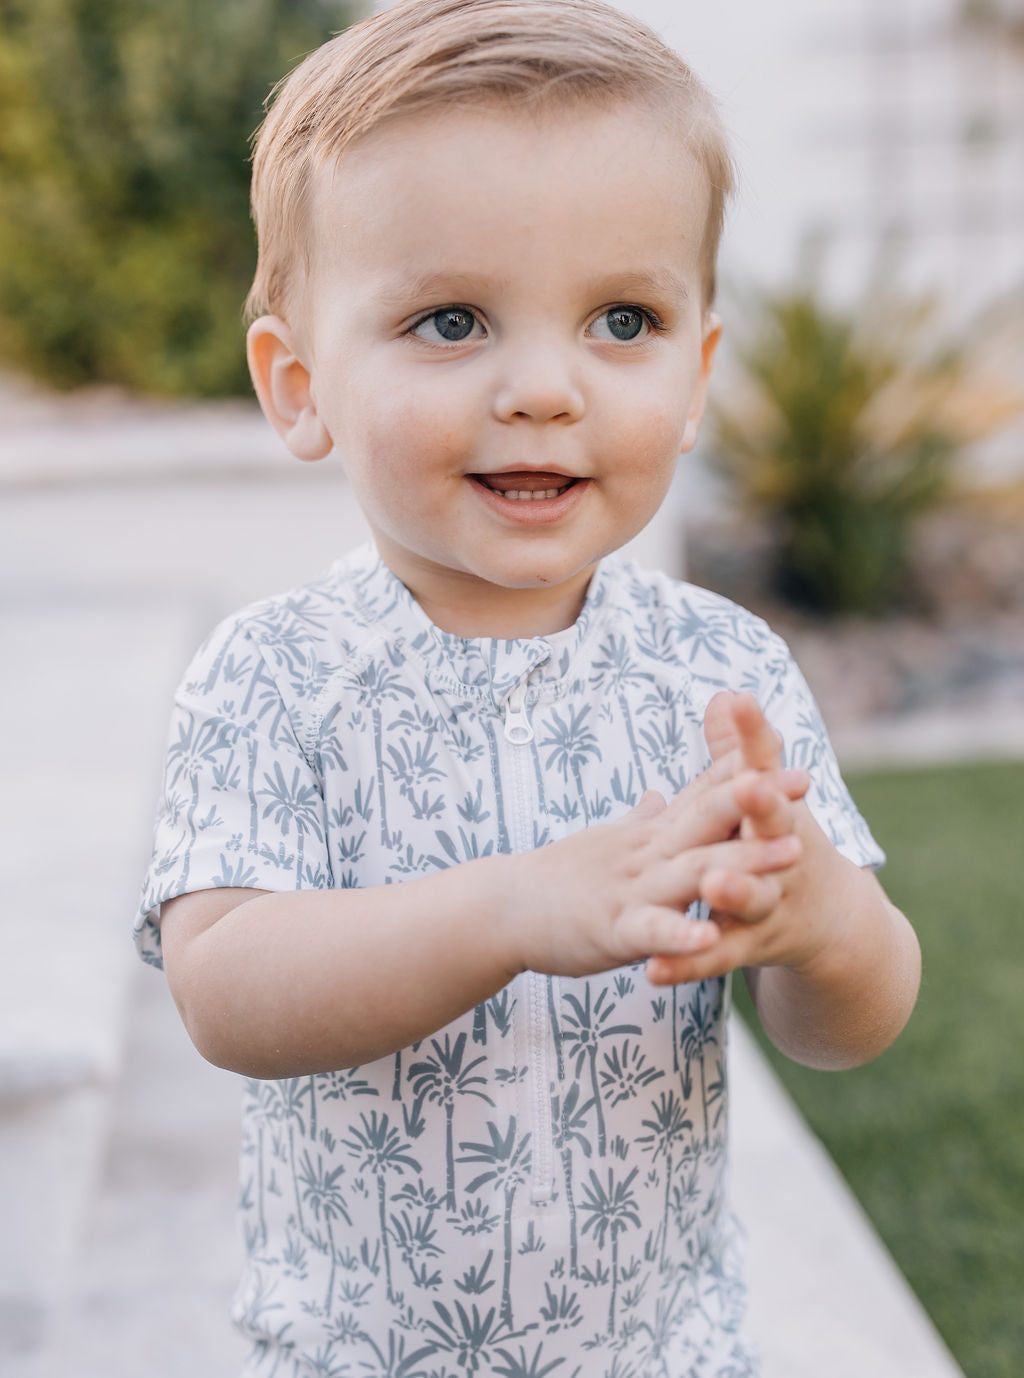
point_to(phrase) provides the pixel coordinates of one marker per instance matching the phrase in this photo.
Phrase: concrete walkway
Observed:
(121, 542)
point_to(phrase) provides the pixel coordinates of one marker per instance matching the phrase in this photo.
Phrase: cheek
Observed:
(651, 440)
(650, 417)
(421, 425)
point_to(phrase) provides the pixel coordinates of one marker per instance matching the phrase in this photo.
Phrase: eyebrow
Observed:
(428, 286)
(660, 282)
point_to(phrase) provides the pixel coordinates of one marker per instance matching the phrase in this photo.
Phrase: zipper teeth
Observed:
(542, 1174)
(541, 1169)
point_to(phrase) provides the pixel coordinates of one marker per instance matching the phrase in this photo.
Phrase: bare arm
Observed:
(286, 984)
(833, 967)
(848, 1002)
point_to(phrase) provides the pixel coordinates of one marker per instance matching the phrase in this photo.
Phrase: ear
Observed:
(283, 386)
(709, 343)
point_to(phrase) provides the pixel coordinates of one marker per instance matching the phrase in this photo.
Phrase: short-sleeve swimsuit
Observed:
(539, 1187)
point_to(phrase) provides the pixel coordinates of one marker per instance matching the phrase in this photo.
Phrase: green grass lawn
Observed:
(931, 1135)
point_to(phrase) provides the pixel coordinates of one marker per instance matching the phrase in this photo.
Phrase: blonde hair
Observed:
(422, 55)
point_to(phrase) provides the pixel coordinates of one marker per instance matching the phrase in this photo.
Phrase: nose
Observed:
(538, 383)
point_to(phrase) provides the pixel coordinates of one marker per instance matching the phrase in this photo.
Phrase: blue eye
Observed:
(453, 324)
(620, 323)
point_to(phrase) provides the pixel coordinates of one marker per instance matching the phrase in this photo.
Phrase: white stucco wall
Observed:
(851, 115)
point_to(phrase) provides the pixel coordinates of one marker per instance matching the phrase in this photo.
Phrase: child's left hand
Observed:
(833, 967)
(791, 926)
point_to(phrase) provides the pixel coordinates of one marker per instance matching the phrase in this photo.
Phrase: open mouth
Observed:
(526, 486)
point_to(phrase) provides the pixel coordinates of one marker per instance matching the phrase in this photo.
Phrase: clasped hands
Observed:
(739, 838)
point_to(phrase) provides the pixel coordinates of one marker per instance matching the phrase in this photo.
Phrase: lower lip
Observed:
(532, 511)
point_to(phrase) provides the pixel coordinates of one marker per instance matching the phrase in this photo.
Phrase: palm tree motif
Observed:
(330, 754)
(269, 695)
(196, 745)
(698, 1034)
(224, 661)
(675, 1036)
(500, 1010)
(293, 803)
(668, 743)
(615, 670)
(396, 1363)
(519, 1366)
(613, 1210)
(469, 1335)
(324, 1363)
(621, 1368)
(626, 1072)
(396, 1080)
(260, 1113)
(667, 1127)
(441, 1078)
(704, 633)
(255, 1307)
(569, 1127)
(572, 743)
(382, 1151)
(508, 1166)
(252, 754)
(282, 1101)
(661, 1332)
(325, 1197)
(582, 1030)
(382, 683)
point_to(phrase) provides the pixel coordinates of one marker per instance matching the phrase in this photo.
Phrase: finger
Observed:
(680, 880)
(738, 947)
(792, 782)
(714, 814)
(651, 804)
(700, 816)
(759, 743)
(663, 929)
(718, 958)
(741, 895)
(767, 812)
(719, 728)
(715, 774)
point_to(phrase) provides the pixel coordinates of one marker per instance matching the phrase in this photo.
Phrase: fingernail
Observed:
(699, 936)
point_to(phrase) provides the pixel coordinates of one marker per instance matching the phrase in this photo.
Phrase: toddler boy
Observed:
(427, 817)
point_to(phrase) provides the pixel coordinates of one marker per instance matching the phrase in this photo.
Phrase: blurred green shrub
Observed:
(126, 248)
(842, 426)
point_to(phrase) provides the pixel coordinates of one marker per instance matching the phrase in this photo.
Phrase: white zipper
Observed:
(518, 729)
(519, 819)
(542, 1158)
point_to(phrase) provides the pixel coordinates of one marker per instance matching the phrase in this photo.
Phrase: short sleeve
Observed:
(790, 707)
(240, 803)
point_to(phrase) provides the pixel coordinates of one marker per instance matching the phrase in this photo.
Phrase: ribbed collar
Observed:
(487, 667)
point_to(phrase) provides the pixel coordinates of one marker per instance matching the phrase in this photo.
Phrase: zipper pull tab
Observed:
(517, 724)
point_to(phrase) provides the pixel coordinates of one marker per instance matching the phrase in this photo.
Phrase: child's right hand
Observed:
(618, 893)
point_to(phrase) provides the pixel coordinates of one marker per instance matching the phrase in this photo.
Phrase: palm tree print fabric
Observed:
(538, 1188)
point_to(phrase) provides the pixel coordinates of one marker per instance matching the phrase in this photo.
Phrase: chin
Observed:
(542, 574)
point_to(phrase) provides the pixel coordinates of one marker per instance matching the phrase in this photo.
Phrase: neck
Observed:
(466, 606)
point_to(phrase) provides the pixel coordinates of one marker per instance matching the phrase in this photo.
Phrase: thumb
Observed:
(719, 727)
(651, 804)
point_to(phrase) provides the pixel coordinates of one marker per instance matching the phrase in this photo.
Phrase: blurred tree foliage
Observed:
(843, 425)
(126, 247)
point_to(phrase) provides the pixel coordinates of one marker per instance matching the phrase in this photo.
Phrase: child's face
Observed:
(502, 305)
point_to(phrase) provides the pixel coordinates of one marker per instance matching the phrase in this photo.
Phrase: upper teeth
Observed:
(531, 494)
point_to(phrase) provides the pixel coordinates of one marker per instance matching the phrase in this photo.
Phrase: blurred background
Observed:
(860, 482)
